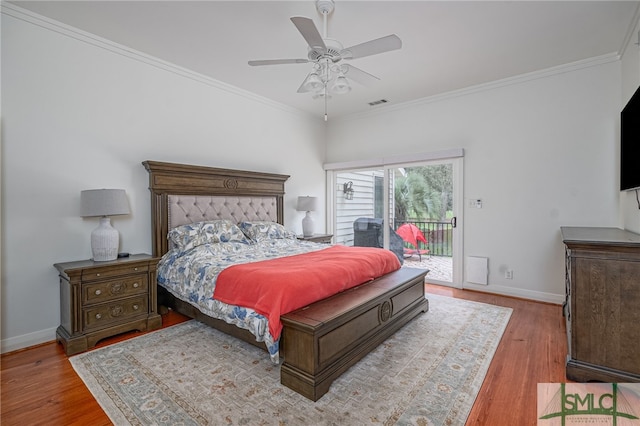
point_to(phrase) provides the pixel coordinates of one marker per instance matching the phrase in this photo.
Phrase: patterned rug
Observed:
(428, 373)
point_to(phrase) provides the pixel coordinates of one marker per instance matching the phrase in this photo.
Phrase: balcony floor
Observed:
(440, 267)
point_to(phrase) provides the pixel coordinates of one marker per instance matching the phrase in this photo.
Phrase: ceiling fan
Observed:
(330, 74)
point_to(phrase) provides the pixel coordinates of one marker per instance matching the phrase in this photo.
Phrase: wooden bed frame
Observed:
(321, 341)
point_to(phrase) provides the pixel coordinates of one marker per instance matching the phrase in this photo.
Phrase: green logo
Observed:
(612, 404)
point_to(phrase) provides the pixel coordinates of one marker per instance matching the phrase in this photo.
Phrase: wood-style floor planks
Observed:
(39, 385)
(531, 351)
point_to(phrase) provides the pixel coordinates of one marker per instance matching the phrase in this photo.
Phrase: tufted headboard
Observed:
(183, 194)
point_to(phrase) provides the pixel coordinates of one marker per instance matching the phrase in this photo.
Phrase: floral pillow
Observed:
(263, 230)
(186, 237)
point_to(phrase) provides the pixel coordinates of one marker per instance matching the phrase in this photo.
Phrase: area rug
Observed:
(427, 373)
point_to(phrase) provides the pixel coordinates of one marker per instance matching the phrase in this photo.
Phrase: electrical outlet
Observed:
(508, 274)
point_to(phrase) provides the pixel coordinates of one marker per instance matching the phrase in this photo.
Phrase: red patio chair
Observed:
(412, 235)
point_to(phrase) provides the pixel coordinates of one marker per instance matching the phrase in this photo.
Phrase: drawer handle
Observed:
(136, 285)
(97, 275)
(117, 288)
(117, 310)
(98, 292)
(98, 316)
(135, 307)
(135, 269)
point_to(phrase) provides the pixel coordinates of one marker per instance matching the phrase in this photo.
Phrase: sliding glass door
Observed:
(410, 209)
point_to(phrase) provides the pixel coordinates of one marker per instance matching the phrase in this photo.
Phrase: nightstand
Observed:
(318, 238)
(102, 299)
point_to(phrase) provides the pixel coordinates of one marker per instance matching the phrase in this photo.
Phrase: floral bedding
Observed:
(190, 269)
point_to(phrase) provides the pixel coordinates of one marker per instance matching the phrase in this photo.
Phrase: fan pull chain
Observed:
(325, 13)
(326, 118)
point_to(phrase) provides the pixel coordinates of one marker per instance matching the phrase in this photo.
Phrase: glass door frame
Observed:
(457, 162)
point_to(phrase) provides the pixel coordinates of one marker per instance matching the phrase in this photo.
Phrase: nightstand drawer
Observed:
(100, 273)
(108, 290)
(100, 316)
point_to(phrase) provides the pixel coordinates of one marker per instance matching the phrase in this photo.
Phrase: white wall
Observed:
(541, 153)
(81, 114)
(630, 83)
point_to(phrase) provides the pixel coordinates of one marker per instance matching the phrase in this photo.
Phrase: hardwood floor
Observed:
(532, 350)
(39, 386)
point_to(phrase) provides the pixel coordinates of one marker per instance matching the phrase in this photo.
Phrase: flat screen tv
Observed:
(630, 144)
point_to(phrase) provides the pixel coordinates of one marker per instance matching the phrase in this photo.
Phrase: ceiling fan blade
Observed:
(277, 62)
(372, 47)
(356, 74)
(309, 31)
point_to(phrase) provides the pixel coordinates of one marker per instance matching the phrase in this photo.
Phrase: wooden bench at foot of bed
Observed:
(321, 341)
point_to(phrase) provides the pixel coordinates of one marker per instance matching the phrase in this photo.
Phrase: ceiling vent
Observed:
(381, 101)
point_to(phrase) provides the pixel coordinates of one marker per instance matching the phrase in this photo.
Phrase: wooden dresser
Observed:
(602, 306)
(102, 299)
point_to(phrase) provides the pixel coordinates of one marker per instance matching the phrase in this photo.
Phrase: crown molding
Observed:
(522, 78)
(28, 16)
(17, 12)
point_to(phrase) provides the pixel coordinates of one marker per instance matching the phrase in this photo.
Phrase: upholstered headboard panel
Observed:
(182, 193)
(185, 209)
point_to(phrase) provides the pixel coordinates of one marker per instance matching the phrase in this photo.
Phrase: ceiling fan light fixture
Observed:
(313, 82)
(341, 85)
(326, 55)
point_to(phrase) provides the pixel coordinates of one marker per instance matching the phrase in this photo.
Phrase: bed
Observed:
(318, 341)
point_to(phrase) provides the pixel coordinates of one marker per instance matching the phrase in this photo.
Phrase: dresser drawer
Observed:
(99, 273)
(104, 291)
(100, 316)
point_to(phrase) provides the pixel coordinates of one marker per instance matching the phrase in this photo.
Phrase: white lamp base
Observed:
(105, 241)
(307, 225)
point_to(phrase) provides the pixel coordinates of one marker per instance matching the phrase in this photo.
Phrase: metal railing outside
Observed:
(439, 235)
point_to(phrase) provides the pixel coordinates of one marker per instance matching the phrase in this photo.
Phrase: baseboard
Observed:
(539, 296)
(26, 340)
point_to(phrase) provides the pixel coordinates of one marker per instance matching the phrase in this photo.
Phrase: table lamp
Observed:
(307, 204)
(103, 203)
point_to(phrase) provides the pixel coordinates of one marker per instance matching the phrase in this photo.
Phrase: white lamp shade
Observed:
(103, 202)
(307, 204)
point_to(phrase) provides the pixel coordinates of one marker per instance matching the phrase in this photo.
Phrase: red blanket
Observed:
(275, 287)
